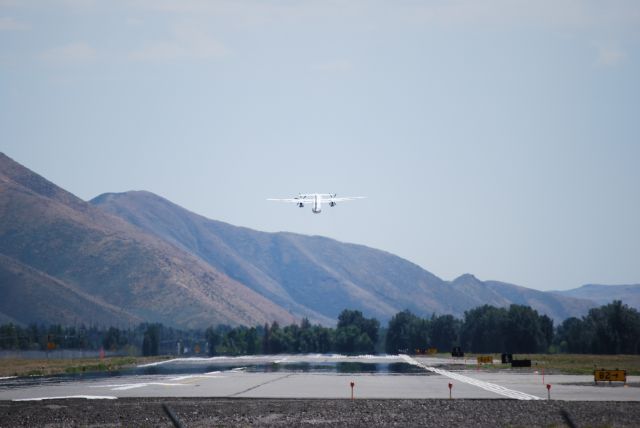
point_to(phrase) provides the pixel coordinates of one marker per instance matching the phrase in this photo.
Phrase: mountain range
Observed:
(66, 261)
(124, 258)
(603, 294)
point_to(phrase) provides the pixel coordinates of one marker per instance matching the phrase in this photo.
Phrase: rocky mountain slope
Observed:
(64, 260)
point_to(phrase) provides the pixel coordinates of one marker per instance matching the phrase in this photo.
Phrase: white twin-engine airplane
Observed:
(316, 200)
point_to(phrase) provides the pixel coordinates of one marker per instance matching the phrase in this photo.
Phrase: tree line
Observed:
(484, 329)
(609, 329)
(145, 338)
(354, 334)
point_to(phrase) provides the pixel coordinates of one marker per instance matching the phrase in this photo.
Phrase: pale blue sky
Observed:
(496, 137)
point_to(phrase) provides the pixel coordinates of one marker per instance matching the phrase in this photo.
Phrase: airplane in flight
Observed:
(316, 200)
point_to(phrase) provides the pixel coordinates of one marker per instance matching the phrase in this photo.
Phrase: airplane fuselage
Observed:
(316, 200)
(317, 204)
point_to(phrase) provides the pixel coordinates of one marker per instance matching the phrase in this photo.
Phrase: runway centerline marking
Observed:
(487, 386)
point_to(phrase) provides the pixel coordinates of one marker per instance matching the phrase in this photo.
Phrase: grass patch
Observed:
(40, 367)
(585, 364)
(582, 364)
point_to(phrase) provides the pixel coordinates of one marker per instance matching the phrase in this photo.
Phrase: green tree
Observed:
(351, 326)
(546, 326)
(482, 329)
(277, 340)
(325, 339)
(9, 336)
(213, 340)
(348, 339)
(444, 331)
(522, 330)
(406, 332)
(616, 329)
(573, 336)
(151, 340)
(112, 339)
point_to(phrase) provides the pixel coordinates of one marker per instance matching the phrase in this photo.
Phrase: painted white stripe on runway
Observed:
(205, 360)
(487, 386)
(126, 386)
(87, 397)
(198, 376)
(260, 359)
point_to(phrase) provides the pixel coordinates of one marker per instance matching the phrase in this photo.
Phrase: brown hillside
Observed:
(55, 233)
(51, 299)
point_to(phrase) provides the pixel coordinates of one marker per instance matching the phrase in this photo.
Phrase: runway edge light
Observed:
(548, 391)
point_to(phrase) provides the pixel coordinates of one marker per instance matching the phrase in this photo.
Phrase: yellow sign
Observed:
(485, 359)
(603, 375)
(432, 351)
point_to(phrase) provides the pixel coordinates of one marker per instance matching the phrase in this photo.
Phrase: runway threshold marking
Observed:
(487, 386)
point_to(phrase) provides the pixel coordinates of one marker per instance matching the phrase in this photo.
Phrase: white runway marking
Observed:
(270, 359)
(88, 397)
(492, 387)
(126, 386)
(191, 360)
(197, 376)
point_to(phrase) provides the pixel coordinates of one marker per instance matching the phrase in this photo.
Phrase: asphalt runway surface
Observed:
(321, 376)
(316, 390)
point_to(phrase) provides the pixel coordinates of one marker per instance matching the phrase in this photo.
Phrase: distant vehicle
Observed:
(316, 200)
(457, 352)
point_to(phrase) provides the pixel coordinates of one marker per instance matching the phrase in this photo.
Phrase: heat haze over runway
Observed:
(320, 376)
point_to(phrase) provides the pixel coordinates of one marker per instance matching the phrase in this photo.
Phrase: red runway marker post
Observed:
(352, 385)
(548, 392)
(450, 386)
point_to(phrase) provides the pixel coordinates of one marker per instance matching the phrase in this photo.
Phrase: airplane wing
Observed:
(292, 200)
(342, 199)
(324, 198)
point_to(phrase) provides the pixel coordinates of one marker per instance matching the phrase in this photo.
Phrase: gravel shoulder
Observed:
(205, 412)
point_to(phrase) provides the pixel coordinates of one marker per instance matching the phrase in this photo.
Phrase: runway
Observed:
(320, 376)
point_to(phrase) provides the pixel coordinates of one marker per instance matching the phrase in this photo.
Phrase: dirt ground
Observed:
(205, 412)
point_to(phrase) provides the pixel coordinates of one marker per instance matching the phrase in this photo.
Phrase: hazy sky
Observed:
(496, 137)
